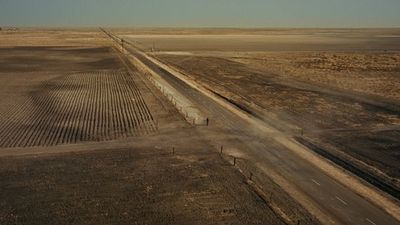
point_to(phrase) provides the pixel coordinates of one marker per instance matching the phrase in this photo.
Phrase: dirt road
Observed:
(336, 204)
(79, 150)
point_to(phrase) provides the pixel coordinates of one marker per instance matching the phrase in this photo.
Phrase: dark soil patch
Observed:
(378, 148)
(40, 59)
(127, 187)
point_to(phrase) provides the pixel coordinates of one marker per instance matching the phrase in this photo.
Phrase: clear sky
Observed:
(201, 13)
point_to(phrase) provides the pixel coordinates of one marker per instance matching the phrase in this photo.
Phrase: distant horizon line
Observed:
(206, 27)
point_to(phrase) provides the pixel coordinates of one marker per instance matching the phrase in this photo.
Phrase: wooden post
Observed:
(222, 148)
(234, 161)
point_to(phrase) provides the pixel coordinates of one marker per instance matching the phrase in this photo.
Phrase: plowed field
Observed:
(52, 107)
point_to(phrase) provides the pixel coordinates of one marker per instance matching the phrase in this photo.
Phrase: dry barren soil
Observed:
(53, 96)
(339, 88)
(127, 186)
(85, 140)
(322, 115)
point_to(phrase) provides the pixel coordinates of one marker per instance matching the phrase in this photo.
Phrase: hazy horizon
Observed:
(202, 14)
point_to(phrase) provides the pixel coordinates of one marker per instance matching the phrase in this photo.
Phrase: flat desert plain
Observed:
(86, 139)
(338, 89)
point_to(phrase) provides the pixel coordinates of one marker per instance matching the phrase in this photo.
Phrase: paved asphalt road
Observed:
(340, 203)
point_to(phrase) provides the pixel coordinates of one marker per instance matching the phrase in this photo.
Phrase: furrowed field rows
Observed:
(76, 108)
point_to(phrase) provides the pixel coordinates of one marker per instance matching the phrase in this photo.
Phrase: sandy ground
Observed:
(318, 113)
(318, 80)
(52, 96)
(359, 60)
(374, 73)
(51, 37)
(136, 178)
(337, 86)
(265, 40)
